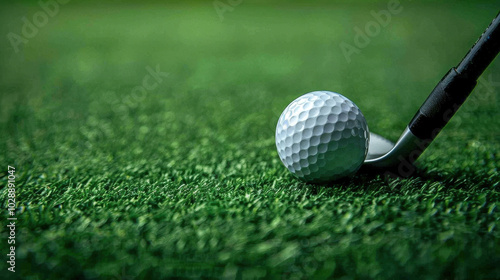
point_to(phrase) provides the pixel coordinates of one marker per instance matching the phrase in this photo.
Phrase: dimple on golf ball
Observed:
(322, 136)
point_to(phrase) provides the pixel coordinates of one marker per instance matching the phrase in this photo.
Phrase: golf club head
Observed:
(383, 153)
(378, 146)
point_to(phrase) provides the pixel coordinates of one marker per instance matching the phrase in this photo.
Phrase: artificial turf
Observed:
(184, 181)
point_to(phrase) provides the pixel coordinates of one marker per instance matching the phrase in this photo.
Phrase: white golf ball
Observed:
(322, 136)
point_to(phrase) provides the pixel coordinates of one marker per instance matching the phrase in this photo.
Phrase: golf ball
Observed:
(322, 136)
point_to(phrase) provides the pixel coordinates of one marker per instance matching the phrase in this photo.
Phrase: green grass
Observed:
(186, 182)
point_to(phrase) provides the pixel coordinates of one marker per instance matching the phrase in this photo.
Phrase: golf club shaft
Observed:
(451, 92)
(482, 53)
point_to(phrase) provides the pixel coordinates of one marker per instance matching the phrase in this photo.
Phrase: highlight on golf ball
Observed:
(322, 136)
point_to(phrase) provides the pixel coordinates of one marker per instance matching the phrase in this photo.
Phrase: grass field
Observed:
(182, 179)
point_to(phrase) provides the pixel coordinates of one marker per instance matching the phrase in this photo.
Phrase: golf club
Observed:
(443, 102)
